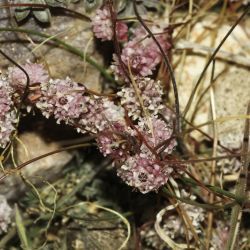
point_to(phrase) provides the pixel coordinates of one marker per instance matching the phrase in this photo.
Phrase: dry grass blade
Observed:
(240, 189)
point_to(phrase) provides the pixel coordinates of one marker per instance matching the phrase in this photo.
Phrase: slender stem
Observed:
(67, 46)
(171, 71)
(213, 166)
(240, 190)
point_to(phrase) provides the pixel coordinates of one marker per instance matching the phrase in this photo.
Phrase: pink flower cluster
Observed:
(130, 129)
(151, 93)
(103, 27)
(18, 79)
(69, 102)
(160, 133)
(144, 173)
(113, 141)
(141, 53)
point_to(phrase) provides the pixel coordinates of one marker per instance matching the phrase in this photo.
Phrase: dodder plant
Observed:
(134, 126)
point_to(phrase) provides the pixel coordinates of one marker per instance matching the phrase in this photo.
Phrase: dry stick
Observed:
(177, 106)
(220, 20)
(208, 188)
(240, 189)
(210, 60)
(215, 144)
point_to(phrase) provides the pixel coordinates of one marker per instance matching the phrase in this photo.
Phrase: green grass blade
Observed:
(21, 230)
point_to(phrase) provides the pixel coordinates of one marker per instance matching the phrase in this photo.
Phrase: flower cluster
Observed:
(8, 116)
(69, 102)
(144, 172)
(142, 168)
(150, 92)
(130, 129)
(141, 53)
(18, 79)
(113, 141)
(160, 135)
(63, 99)
(137, 142)
(103, 27)
(143, 103)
